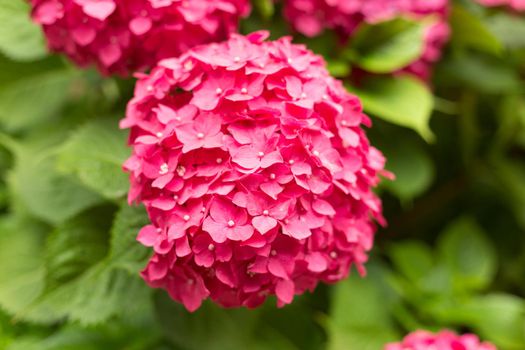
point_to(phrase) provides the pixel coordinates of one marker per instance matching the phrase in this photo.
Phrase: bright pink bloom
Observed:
(255, 171)
(517, 5)
(312, 17)
(123, 36)
(444, 340)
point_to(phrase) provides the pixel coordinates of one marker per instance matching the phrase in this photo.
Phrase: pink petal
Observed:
(323, 207)
(240, 233)
(247, 157)
(99, 9)
(297, 229)
(140, 25)
(316, 262)
(285, 290)
(148, 235)
(272, 189)
(216, 230)
(264, 223)
(271, 159)
(276, 268)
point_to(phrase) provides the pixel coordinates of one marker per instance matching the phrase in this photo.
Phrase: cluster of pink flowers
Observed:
(255, 171)
(311, 17)
(444, 340)
(517, 5)
(122, 36)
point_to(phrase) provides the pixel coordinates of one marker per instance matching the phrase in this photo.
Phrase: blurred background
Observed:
(452, 256)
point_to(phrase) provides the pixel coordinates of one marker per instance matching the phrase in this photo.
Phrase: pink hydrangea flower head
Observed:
(312, 17)
(255, 172)
(516, 5)
(444, 340)
(123, 36)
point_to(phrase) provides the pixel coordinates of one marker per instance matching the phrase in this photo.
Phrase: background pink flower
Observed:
(312, 17)
(122, 36)
(444, 340)
(250, 188)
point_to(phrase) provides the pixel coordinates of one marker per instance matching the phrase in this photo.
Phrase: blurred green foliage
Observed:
(453, 255)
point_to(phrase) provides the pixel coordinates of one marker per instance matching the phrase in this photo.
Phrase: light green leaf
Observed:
(20, 39)
(413, 259)
(509, 29)
(468, 254)
(46, 193)
(402, 100)
(95, 154)
(499, 318)
(21, 268)
(496, 317)
(34, 98)
(470, 31)
(360, 313)
(387, 46)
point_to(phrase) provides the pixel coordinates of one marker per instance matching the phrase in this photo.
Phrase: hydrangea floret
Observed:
(123, 36)
(312, 17)
(255, 170)
(444, 340)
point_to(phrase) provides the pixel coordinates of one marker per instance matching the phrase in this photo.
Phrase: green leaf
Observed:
(125, 252)
(360, 313)
(210, 327)
(46, 193)
(91, 298)
(95, 154)
(76, 245)
(470, 31)
(20, 39)
(34, 98)
(468, 254)
(509, 29)
(500, 318)
(387, 46)
(266, 8)
(497, 317)
(413, 259)
(402, 100)
(480, 73)
(510, 175)
(412, 167)
(21, 256)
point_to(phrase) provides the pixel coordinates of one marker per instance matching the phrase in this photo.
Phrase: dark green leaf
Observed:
(470, 31)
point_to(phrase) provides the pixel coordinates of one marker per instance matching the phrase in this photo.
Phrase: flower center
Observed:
(186, 217)
(200, 135)
(231, 223)
(164, 169)
(266, 212)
